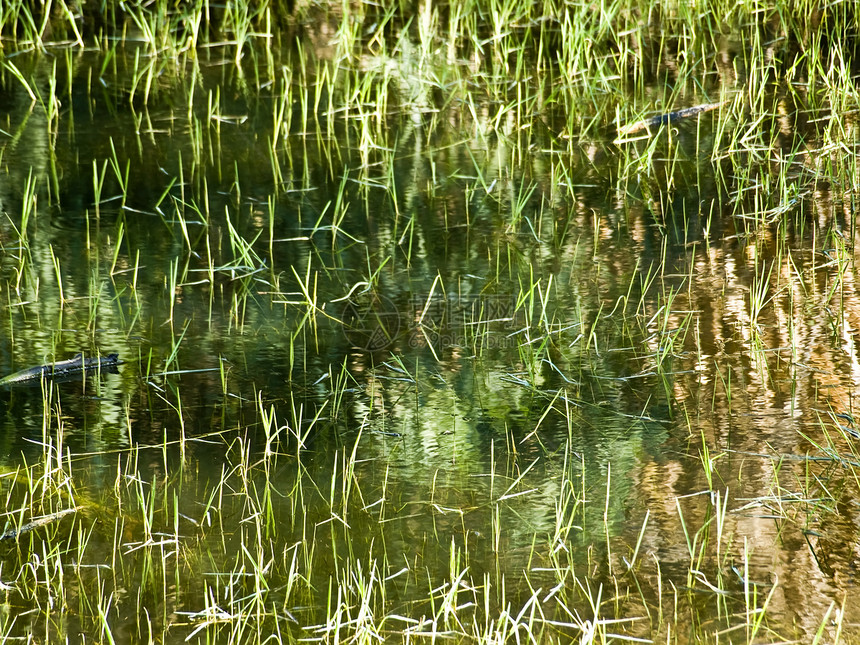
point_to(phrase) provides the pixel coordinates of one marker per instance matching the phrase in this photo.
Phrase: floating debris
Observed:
(664, 119)
(64, 369)
(40, 521)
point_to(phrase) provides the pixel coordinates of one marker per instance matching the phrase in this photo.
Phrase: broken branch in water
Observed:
(68, 368)
(663, 119)
(39, 521)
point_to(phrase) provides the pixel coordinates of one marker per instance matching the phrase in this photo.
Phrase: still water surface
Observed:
(516, 357)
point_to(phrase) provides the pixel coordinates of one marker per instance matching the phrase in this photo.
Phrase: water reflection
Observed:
(539, 350)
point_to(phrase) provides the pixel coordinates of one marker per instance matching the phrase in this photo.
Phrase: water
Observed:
(517, 355)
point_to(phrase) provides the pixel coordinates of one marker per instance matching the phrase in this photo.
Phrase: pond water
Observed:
(406, 360)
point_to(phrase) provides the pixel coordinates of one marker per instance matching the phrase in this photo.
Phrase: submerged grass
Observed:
(434, 340)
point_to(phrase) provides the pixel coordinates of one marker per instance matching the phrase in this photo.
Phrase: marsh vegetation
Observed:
(430, 330)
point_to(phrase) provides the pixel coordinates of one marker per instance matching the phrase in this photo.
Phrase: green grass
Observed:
(619, 398)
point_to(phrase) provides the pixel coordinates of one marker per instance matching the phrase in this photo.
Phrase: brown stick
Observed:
(39, 521)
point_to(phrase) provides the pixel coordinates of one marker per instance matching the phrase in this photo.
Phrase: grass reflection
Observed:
(484, 321)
